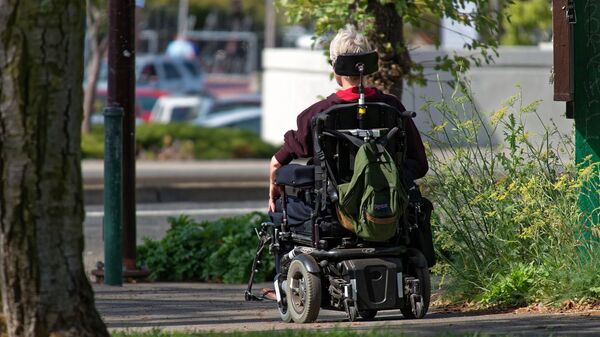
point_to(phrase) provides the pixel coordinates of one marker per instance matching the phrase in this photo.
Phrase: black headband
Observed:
(349, 64)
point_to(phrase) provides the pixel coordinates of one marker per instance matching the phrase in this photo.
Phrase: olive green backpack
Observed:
(374, 200)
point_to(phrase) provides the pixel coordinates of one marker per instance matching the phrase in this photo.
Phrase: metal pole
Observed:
(586, 53)
(182, 17)
(121, 93)
(269, 24)
(113, 192)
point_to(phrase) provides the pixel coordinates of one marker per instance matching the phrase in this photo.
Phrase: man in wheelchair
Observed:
(350, 230)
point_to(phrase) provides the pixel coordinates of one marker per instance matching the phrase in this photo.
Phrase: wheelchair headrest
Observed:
(347, 64)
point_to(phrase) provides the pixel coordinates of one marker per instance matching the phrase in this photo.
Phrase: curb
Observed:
(191, 192)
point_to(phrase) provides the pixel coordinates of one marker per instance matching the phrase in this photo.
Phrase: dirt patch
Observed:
(589, 307)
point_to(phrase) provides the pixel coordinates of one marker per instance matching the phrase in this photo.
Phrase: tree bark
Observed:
(44, 286)
(388, 38)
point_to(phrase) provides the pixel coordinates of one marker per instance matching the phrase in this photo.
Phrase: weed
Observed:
(508, 226)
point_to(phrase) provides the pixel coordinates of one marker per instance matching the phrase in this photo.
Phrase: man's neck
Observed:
(347, 84)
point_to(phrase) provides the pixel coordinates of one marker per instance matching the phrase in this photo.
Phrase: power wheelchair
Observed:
(321, 264)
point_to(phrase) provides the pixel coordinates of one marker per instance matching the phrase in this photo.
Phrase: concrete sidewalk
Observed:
(180, 181)
(218, 307)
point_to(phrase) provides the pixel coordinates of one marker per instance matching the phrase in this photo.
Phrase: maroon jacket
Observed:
(298, 143)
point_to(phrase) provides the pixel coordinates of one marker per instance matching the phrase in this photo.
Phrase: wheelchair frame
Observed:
(346, 273)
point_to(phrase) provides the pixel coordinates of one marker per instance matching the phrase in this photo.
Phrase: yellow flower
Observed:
(502, 196)
(524, 136)
(490, 214)
(498, 115)
(439, 127)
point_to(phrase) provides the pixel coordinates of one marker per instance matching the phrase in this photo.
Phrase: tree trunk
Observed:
(93, 71)
(44, 286)
(388, 38)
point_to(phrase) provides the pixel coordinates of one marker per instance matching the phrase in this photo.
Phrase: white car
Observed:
(236, 112)
(247, 118)
(177, 108)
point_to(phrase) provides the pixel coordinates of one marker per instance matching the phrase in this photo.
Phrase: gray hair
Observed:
(348, 41)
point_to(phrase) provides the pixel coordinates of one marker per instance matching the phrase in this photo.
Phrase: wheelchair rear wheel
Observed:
(421, 307)
(304, 293)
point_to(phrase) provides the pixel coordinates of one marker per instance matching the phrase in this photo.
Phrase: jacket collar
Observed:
(351, 94)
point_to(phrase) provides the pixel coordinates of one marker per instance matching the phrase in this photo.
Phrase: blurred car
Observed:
(100, 102)
(171, 74)
(248, 118)
(170, 109)
(160, 72)
(146, 98)
(236, 112)
(221, 106)
(242, 111)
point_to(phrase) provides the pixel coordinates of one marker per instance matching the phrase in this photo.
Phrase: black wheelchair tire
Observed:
(304, 293)
(422, 274)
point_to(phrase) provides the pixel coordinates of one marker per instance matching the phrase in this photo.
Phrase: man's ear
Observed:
(338, 79)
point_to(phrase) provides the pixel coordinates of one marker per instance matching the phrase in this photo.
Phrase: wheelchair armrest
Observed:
(295, 175)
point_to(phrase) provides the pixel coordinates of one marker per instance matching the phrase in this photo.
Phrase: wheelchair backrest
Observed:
(339, 153)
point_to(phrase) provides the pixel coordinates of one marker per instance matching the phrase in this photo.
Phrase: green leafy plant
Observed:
(508, 225)
(527, 22)
(92, 144)
(515, 288)
(186, 141)
(219, 251)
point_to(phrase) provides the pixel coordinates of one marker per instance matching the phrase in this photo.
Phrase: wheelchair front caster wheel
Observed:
(417, 304)
(284, 313)
(367, 314)
(304, 293)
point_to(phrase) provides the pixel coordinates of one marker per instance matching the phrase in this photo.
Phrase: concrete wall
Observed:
(294, 79)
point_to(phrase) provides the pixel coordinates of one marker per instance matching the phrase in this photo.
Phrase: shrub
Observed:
(92, 144)
(220, 251)
(186, 141)
(507, 222)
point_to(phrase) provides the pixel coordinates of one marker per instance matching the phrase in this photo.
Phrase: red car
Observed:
(145, 98)
(144, 101)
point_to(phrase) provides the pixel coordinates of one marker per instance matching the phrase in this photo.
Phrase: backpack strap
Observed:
(356, 141)
(380, 144)
(388, 137)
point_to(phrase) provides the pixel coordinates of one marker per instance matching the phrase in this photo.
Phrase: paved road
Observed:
(152, 221)
(204, 307)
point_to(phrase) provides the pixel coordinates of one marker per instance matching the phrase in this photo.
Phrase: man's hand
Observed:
(273, 189)
(273, 195)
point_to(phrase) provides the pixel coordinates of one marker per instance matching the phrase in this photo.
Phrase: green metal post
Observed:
(113, 195)
(586, 52)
